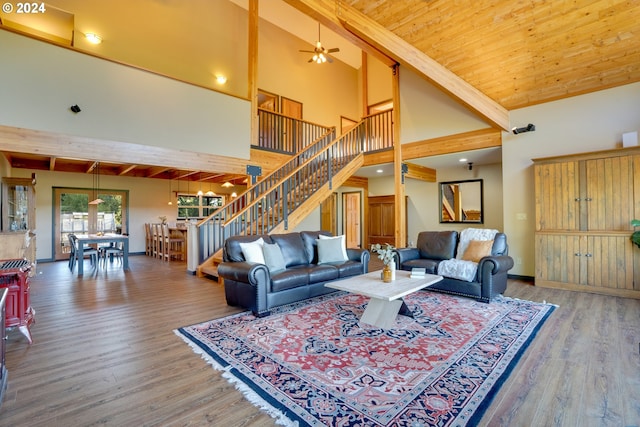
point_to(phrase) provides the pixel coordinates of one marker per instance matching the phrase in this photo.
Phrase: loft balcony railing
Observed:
(269, 203)
(277, 132)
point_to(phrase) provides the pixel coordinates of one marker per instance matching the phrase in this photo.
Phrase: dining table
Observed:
(88, 239)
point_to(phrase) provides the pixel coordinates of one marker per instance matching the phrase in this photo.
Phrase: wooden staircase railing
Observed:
(282, 199)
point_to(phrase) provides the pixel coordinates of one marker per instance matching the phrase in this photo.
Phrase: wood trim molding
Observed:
(421, 173)
(474, 140)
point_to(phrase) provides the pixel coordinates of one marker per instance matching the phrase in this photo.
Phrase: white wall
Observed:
(148, 199)
(584, 123)
(41, 81)
(426, 112)
(326, 91)
(423, 211)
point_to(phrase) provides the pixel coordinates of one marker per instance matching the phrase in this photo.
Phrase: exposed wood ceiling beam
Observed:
(157, 172)
(126, 170)
(474, 140)
(50, 144)
(409, 56)
(52, 163)
(421, 173)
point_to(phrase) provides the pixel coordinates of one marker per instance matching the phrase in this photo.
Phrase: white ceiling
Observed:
(485, 156)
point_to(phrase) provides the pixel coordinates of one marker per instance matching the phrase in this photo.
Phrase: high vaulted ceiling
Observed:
(517, 53)
(521, 53)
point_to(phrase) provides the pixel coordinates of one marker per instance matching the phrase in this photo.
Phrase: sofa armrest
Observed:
(495, 264)
(246, 272)
(360, 255)
(492, 275)
(403, 255)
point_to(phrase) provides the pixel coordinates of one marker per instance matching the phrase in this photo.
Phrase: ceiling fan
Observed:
(320, 53)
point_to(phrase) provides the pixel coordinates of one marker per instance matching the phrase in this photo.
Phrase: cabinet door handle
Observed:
(588, 255)
(578, 199)
(578, 254)
(588, 199)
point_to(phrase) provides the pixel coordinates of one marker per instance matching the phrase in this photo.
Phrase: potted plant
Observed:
(385, 253)
(635, 236)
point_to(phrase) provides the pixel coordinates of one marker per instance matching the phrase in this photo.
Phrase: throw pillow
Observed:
(343, 245)
(477, 249)
(273, 257)
(330, 250)
(252, 251)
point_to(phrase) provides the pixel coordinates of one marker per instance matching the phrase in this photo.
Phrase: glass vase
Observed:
(386, 274)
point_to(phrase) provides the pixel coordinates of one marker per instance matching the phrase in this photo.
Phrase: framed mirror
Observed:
(462, 201)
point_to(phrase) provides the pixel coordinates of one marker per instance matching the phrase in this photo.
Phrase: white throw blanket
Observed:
(458, 268)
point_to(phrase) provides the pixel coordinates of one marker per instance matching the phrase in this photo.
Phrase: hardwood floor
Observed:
(104, 353)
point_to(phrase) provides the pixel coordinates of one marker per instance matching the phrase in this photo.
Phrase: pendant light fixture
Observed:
(200, 193)
(170, 197)
(96, 184)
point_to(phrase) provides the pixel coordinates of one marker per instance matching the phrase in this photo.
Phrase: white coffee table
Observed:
(386, 298)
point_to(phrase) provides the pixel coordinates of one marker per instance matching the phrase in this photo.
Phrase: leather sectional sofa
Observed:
(303, 274)
(435, 247)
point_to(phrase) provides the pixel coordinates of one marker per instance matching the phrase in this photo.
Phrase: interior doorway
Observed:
(352, 218)
(292, 134)
(328, 214)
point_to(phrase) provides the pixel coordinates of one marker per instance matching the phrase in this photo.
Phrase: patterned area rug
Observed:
(314, 363)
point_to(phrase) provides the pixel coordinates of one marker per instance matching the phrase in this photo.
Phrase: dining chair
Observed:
(148, 236)
(111, 252)
(92, 253)
(158, 241)
(174, 244)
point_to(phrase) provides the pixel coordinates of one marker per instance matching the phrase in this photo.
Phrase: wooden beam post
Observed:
(401, 208)
(253, 68)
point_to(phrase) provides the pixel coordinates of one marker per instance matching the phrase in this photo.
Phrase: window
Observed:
(190, 206)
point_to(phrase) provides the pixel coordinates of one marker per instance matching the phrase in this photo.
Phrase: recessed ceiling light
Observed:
(462, 160)
(379, 171)
(93, 38)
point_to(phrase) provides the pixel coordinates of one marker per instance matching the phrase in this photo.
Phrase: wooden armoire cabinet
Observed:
(584, 206)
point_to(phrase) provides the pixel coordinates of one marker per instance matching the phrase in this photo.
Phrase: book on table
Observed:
(418, 273)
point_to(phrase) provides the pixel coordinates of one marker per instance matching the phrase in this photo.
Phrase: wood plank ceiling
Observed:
(517, 53)
(521, 53)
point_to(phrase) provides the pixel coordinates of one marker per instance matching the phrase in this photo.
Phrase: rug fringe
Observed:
(544, 302)
(247, 392)
(255, 399)
(200, 351)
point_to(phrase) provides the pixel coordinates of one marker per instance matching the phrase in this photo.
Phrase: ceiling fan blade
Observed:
(310, 60)
(335, 49)
(329, 59)
(307, 51)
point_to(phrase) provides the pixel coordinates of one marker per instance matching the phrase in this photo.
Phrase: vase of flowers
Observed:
(163, 219)
(385, 253)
